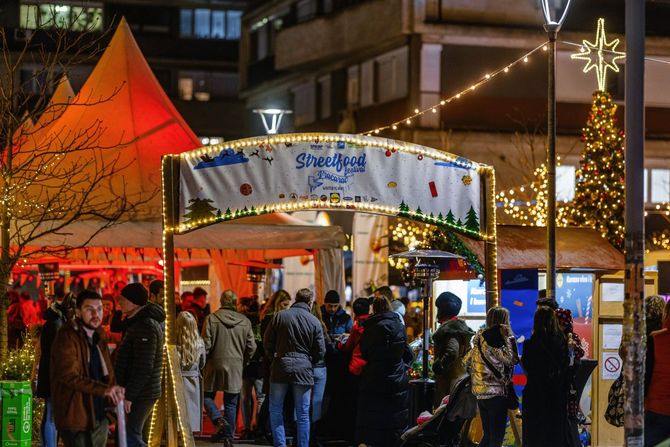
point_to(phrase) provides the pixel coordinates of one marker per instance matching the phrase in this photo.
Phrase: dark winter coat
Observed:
(545, 395)
(229, 342)
(139, 357)
(451, 342)
(55, 318)
(72, 389)
(383, 407)
(294, 342)
(339, 323)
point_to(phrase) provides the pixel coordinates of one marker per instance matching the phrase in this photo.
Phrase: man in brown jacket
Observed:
(82, 376)
(229, 342)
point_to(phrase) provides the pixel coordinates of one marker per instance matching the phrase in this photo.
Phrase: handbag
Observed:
(615, 398)
(510, 392)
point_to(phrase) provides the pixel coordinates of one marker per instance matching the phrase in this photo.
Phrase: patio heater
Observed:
(256, 273)
(424, 270)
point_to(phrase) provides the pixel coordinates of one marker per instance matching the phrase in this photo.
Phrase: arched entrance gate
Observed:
(313, 171)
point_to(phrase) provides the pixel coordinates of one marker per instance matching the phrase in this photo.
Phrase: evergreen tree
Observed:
(471, 220)
(599, 193)
(200, 209)
(450, 218)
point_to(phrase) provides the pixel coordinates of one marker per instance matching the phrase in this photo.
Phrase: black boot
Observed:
(221, 427)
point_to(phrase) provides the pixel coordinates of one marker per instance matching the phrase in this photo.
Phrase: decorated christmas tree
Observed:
(599, 192)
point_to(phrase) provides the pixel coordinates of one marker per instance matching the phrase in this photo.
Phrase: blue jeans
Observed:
(230, 401)
(301, 397)
(135, 421)
(48, 432)
(656, 428)
(317, 393)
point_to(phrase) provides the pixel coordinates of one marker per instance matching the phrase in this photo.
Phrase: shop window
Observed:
(61, 15)
(204, 23)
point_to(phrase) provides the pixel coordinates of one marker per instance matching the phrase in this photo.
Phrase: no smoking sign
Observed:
(611, 365)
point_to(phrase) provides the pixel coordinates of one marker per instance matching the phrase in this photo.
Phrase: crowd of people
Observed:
(296, 369)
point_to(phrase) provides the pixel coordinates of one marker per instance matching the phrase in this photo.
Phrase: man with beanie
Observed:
(451, 342)
(337, 321)
(139, 358)
(82, 376)
(230, 343)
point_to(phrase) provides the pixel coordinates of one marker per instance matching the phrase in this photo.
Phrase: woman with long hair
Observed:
(545, 397)
(383, 407)
(191, 351)
(490, 363)
(320, 372)
(280, 300)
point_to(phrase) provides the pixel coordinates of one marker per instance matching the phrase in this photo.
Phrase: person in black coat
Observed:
(545, 397)
(139, 358)
(383, 405)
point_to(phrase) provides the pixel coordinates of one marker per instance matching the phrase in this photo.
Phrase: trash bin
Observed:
(16, 401)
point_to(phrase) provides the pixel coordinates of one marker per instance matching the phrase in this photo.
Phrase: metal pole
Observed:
(426, 328)
(552, 31)
(634, 331)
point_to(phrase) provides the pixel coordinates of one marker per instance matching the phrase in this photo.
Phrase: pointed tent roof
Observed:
(125, 107)
(62, 96)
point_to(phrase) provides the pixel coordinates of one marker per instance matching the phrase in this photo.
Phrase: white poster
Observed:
(612, 334)
(611, 291)
(611, 365)
(298, 274)
(370, 264)
(312, 171)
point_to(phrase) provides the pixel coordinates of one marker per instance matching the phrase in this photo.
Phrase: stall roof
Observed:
(521, 247)
(270, 231)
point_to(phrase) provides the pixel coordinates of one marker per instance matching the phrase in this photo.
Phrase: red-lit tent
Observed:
(124, 113)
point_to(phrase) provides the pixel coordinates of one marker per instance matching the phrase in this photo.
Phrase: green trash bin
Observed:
(16, 400)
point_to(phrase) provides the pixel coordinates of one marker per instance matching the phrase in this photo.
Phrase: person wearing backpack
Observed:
(490, 363)
(451, 342)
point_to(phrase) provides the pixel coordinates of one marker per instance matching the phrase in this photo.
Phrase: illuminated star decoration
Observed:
(595, 53)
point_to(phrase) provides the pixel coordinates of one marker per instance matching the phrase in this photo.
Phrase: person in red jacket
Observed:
(657, 400)
(361, 308)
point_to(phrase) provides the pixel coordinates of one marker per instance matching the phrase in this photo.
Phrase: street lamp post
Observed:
(552, 27)
(272, 119)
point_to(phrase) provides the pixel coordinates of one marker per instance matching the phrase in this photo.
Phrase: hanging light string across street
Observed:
(433, 109)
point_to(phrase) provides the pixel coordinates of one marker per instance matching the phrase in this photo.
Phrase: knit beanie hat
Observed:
(448, 305)
(135, 293)
(332, 297)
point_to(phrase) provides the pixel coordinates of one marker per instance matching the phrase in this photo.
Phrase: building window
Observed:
(61, 15)
(353, 93)
(204, 23)
(660, 185)
(324, 97)
(565, 183)
(306, 10)
(207, 85)
(304, 103)
(391, 75)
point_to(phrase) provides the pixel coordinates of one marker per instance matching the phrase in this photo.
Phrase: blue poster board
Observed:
(518, 293)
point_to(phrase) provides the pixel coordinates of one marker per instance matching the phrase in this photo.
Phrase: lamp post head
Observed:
(272, 119)
(553, 22)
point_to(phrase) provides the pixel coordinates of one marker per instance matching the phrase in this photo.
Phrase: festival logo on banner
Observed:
(253, 177)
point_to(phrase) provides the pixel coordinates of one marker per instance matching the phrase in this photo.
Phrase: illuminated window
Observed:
(565, 183)
(660, 185)
(61, 15)
(203, 23)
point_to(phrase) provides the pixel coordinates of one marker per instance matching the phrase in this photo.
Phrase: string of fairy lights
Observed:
(408, 120)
